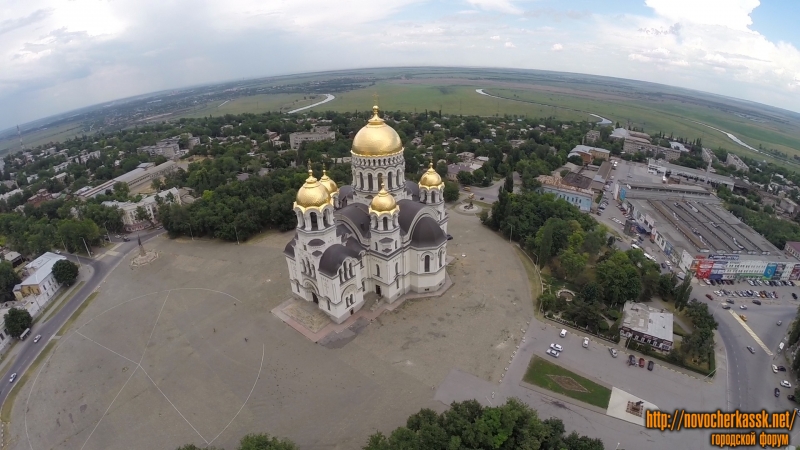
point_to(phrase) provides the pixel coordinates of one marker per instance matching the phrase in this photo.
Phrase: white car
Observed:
(585, 342)
(786, 384)
(552, 353)
(13, 377)
(774, 368)
(742, 307)
(557, 347)
(37, 338)
(613, 352)
(563, 333)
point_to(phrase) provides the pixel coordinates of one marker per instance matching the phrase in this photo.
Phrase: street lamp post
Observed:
(511, 234)
(190, 229)
(106, 228)
(67, 251)
(88, 252)
(237, 234)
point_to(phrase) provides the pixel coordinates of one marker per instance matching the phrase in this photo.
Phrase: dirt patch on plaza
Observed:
(568, 383)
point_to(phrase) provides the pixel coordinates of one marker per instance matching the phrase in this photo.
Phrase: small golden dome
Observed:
(329, 184)
(376, 138)
(312, 194)
(383, 202)
(430, 178)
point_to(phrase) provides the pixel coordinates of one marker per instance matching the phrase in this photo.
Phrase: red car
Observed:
(641, 362)
(709, 297)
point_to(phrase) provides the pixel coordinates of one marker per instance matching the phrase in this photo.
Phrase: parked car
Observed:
(641, 362)
(726, 306)
(774, 368)
(37, 338)
(751, 349)
(563, 333)
(709, 297)
(552, 353)
(126, 239)
(586, 342)
(743, 306)
(730, 300)
(781, 369)
(794, 296)
(777, 392)
(780, 322)
(631, 360)
(13, 377)
(650, 365)
(790, 397)
(557, 347)
(613, 352)
(786, 384)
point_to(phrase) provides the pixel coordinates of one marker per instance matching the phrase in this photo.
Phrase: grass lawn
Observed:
(555, 378)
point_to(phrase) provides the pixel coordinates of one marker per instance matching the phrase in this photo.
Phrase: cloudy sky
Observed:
(57, 55)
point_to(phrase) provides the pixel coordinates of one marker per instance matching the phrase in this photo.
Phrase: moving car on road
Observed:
(13, 377)
(743, 306)
(780, 322)
(777, 392)
(751, 349)
(37, 338)
(757, 302)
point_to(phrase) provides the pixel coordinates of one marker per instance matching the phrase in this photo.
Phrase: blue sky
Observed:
(56, 56)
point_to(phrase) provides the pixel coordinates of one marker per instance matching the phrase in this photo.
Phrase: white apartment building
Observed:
(149, 204)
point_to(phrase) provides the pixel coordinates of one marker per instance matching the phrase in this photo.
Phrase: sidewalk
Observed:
(11, 352)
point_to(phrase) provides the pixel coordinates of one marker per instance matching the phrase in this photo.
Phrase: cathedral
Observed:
(382, 234)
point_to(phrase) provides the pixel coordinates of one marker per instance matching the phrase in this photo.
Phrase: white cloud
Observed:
(557, 47)
(495, 38)
(504, 6)
(734, 14)
(510, 45)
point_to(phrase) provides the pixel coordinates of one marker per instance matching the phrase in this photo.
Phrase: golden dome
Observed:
(376, 138)
(383, 202)
(312, 194)
(329, 184)
(430, 179)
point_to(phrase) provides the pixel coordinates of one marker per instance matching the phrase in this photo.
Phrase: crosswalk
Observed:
(751, 332)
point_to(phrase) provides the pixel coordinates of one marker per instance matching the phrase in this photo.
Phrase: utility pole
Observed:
(237, 234)
(190, 229)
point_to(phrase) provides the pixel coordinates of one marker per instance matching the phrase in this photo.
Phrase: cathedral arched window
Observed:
(389, 179)
(427, 263)
(351, 269)
(433, 196)
(361, 180)
(377, 270)
(380, 179)
(440, 258)
(313, 217)
(396, 269)
(399, 174)
(386, 223)
(369, 181)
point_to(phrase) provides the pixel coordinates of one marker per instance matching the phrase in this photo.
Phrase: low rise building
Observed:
(131, 219)
(454, 169)
(40, 197)
(735, 161)
(589, 154)
(145, 172)
(592, 136)
(39, 284)
(647, 325)
(581, 198)
(788, 205)
(792, 248)
(296, 139)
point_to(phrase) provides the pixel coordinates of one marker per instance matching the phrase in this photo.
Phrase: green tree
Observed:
(465, 178)
(121, 190)
(141, 214)
(618, 279)
(17, 321)
(573, 263)
(682, 293)
(263, 441)
(666, 285)
(65, 272)
(450, 191)
(509, 183)
(8, 279)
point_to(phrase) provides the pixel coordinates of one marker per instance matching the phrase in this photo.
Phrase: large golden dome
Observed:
(376, 138)
(430, 179)
(312, 194)
(329, 184)
(383, 202)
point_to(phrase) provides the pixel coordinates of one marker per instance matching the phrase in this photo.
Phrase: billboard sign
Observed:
(769, 272)
(779, 271)
(795, 273)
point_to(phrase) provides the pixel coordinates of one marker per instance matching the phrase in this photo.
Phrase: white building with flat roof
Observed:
(150, 206)
(136, 177)
(647, 325)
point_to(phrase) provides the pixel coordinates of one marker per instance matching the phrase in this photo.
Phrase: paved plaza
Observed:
(185, 350)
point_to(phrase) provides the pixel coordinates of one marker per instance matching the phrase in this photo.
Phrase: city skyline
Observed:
(59, 57)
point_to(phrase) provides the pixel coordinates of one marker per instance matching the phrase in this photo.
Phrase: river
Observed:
(603, 121)
(329, 98)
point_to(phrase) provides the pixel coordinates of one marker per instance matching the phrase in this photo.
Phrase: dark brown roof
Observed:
(577, 180)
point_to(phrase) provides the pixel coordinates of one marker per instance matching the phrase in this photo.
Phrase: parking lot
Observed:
(752, 380)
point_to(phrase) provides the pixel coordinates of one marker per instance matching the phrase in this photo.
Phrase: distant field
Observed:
(51, 134)
(451, 99)
(253, 104)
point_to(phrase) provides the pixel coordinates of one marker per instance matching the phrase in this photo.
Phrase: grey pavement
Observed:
(25, 352)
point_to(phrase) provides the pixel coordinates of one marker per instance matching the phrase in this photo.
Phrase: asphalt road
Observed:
(101, 268)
